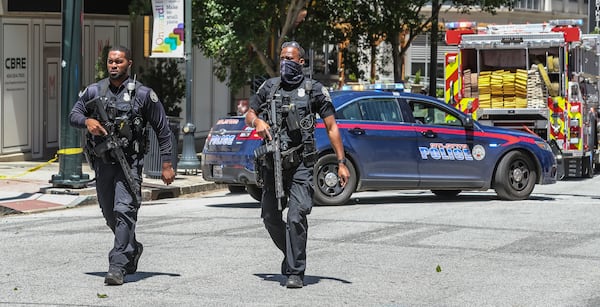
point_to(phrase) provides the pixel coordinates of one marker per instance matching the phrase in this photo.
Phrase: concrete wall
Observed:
(30, 79)
(30, 89)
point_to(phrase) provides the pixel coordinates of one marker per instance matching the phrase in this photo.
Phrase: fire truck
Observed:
(542, 78)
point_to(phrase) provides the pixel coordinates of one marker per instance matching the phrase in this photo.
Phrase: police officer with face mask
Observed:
(128, 106)
(297, 100)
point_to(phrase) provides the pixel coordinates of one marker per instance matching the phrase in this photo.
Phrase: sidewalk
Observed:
(25, 189)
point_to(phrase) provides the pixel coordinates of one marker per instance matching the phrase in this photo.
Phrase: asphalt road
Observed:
(395, 248)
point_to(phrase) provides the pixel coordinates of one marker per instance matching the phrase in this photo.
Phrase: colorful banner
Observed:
(168, 32)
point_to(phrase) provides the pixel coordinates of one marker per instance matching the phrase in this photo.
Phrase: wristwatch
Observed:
(342, 161)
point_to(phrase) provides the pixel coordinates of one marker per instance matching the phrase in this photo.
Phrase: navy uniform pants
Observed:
(289, 236)
(119, 209)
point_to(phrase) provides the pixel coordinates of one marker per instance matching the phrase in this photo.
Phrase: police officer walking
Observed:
(296, 99)
(115, 111)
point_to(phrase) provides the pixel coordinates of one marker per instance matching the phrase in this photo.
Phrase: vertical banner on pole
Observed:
(168, 31)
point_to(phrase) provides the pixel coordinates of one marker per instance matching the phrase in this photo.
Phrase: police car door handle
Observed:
(357, 131)
(429, 134)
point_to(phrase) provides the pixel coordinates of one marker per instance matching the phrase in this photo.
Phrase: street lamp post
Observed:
(70, 174)
(189, 159)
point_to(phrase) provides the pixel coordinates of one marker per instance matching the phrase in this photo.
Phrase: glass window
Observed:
(385, 110)
(429, 114)
(349, 112)
(416, 66)
(373, 109)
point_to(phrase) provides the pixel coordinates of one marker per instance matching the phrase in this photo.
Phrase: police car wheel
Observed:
(328, 191)
(254, 191)
(515, 176)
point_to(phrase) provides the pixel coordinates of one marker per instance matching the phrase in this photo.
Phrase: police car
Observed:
(398, 140)
(228, 155)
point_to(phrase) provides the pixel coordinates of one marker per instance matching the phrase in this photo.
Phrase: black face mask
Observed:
(291, 72)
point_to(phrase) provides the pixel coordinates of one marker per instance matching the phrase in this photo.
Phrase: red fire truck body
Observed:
(528, 77)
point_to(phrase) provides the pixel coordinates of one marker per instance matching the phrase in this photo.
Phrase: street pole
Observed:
(189, 159)
(434, 48)
(70, 174)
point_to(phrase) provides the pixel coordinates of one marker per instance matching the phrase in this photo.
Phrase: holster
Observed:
(310, 154)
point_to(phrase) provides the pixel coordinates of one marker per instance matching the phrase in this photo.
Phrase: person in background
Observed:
(242, 107)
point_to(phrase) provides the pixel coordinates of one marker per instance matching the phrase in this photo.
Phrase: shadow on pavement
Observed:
(16, 197)
(424, 199)
(137, 276)
(308, 279)
(255, 205)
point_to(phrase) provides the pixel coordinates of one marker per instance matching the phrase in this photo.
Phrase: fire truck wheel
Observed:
(254, 191)
(236, 189)
(588, 166)
(515, 176)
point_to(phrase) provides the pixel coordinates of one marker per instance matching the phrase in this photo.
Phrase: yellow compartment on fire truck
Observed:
(519, 76)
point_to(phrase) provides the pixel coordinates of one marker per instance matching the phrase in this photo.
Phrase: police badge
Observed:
(301, 92)
(153, 96)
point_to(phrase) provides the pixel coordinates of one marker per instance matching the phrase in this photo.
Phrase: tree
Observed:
(243, 37)
(165, 78)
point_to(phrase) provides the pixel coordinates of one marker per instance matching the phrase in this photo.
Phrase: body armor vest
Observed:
(124, 120)
(294, 110)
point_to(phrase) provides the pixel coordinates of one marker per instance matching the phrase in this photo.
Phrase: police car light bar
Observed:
(376, 86)
(460, 25)
(566, 22)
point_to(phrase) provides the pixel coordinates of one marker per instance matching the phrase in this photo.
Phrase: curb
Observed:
(51, 198)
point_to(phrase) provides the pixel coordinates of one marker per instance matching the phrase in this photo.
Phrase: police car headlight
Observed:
(543, 145)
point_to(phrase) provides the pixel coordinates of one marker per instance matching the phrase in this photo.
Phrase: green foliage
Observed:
(140, 8)
(243, 37)
(439, 92)
(165, 78)
(418, 77)
(101, 68)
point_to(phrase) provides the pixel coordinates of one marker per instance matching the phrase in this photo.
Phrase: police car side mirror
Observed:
(468, 122)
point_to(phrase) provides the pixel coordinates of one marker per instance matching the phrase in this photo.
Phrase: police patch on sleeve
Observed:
(82, 92)
(325, 93)
(260, 87)
(153, 96)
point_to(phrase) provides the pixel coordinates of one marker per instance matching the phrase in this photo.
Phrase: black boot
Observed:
(294, 281)
(114, 277)
(133, 264)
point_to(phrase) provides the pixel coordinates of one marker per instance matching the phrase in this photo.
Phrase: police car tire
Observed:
(254, 191)
(506, 185)
(337, 195)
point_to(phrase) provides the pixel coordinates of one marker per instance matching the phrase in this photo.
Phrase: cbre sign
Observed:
(15, 63)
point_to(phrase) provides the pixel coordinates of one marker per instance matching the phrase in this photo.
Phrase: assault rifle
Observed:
(274, 146)
(113, 145)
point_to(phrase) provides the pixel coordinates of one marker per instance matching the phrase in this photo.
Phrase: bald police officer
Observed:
(298, 98)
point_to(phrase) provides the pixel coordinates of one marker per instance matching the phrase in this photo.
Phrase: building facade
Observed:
(30, 79)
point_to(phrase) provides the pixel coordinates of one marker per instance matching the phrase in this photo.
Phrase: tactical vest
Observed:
(124, 118)
(295, 116)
